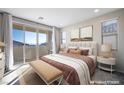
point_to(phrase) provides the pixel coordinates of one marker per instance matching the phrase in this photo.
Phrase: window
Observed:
(110, 27)
(18, 43)
(43, 44)
(63, 37)
(29, 43)
(42, 39)
(30, 38)
(18, 36)
(30, 46)
(109, 32)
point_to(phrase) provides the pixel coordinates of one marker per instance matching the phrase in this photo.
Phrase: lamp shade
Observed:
(106, 48)
(2, 44)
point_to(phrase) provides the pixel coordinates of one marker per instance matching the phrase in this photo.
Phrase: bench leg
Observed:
(60, 81)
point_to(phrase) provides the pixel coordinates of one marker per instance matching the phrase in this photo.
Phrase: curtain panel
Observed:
(55, 40)
(7, 38)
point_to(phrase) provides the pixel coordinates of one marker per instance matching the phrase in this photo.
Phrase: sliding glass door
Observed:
(43, 44)
(29, 43)
(18, 45)
(30, 46)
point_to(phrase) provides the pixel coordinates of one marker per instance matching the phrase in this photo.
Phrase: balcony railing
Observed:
(30, 53)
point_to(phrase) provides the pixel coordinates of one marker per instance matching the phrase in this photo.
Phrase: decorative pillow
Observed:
(90, 52)
(63, 50)
(85, 52)
(74, 51)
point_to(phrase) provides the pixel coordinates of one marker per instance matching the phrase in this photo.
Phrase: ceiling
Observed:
(59, 17)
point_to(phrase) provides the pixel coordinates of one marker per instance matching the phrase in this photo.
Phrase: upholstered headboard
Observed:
(87, 44)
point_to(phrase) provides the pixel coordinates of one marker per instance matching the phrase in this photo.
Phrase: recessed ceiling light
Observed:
(96, 10)
(60, 24)
(41, 18)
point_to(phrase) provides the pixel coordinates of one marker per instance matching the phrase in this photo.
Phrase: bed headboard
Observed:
(87, 44)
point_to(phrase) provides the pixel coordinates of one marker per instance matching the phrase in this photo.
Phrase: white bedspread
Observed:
(79, 65)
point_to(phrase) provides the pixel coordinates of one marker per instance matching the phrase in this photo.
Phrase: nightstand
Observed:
(106, 61)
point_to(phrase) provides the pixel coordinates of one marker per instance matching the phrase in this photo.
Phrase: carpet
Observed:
(29, 77)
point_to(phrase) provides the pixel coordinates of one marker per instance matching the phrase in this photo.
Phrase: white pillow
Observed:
(87, 48)
(72, 47)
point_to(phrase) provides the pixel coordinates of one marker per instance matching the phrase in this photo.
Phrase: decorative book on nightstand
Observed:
(109, 62)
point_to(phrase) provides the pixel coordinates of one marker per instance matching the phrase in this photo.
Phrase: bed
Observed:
(77, 69)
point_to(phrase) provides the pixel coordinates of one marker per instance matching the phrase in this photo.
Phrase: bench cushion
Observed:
(45, 70)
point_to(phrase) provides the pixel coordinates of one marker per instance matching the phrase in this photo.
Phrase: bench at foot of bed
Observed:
(47, 72)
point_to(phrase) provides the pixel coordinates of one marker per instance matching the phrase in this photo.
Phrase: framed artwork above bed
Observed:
(75, 35)
(82, 34)
(86, 33)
